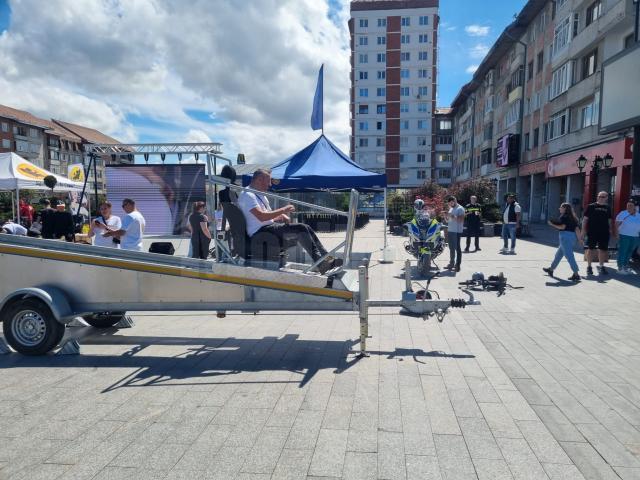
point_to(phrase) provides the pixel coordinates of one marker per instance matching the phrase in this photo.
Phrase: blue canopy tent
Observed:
(322, 166)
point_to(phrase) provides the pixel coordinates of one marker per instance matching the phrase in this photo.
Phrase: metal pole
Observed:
(364, 308)
(385, 217)
(407, 275)
(17, 217)
(636, 30)
(520, 139)
(95, 182)
(635, 163)
(84, 185)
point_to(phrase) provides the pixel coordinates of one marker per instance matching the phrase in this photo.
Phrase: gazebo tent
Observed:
(322, 166)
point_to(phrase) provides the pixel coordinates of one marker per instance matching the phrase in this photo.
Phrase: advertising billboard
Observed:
(508, 150)
(164, 194)
(619, 101)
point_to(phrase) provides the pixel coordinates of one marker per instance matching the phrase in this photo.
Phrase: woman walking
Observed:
(628, 228)
(200, 235)
(568, 233)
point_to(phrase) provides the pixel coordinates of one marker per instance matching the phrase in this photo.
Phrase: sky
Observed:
(241, 73)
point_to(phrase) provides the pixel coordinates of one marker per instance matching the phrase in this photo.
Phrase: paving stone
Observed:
(562, 472)
(391, 463)
(421, 467)
(589, 461)
(360, 466)
(362, 441)
(545, 447)
(492, 469)
(611, 450)
(305, 430)
(266, 451)
(292, 464)
(520, 458)
(453, 457)
(328, 457)
(499, 420)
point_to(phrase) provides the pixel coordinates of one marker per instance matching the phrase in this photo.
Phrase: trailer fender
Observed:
(55, 299)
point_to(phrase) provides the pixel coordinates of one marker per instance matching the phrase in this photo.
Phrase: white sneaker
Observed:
(623, 271)
(513, 251)
(503, 250)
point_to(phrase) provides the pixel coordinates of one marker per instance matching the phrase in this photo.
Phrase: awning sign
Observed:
(76, 172)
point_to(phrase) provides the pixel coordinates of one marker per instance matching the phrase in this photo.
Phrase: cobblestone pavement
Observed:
(541, 383)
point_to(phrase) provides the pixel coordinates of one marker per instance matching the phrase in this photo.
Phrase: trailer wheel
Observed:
(104, 319)
(30, 327)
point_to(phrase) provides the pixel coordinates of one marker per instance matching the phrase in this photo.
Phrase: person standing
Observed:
(47, 220)
(628, 228)
(132, 230)
(104, 223)
(568, 232)
(26, 213)
(511, 219)
(63, 225)
(455, 221)
(200, 234)
(597, 225)
(474, 222)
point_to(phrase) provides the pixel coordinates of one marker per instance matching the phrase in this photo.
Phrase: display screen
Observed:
(164, 194)
(502, 154)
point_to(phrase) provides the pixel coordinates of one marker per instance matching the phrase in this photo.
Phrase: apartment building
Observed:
(24, 134)
(393, 88)
(443, 146)
(531, 109)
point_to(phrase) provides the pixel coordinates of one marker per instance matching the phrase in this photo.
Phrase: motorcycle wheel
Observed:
(424, 265)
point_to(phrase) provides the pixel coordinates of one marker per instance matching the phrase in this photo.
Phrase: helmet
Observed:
(477, 277)
(418, 204)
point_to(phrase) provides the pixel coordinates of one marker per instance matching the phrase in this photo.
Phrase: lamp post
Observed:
(598, 163)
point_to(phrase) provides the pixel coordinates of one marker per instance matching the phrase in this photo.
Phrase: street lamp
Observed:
(581, 162)
(597, 164)
(608, 160)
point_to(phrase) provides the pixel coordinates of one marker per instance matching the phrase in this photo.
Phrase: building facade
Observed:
(443, 146)
(532, 107)
(24, 134)
(393, 88)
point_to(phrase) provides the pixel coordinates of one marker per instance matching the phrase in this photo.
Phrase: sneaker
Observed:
(548, 271)
(466, 250)
(449, 267)
(589, 270)
(329, 263)
(575, 277)
(603, 270)
(478, 249)
(512, 251)
(504, 250)
(624, 271)
(457, 269)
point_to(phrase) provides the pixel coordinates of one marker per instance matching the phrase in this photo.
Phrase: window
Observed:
(423, 91)
(527, 136)
(517, 79)
(444, 173)
(33, 133)
(421, 174)
(536, 137)
(422, 158)
(22, 146)
(405, 21)
(404, 91)
(403, 157)
(586, 116)
(379, 126)
(382, 57)
(381, 91)
(381, 74)
(34, 147)
(364, 40)
(422, 124)
(422, 73)
(404, 141)
(364, 75)
(364, 23)
(422, 107)
(530, 70)
(381, 109)
(423, 20)
(380, 158)
(558, 125)
(364, 92)
(380, 142)
(405, 56)
(445, 125)
(382, 40)
(513, 114)
(404, 108)
(363, 58)
(422, 55)
(423, 38)
(422, 141)
(444, 139)
(629, 41)
(5, 127)
(405, 39)
(488, 131)
(364, 126)
(404, 125)
(363, 109)
(540, 61)
(589, 64)
(576, 25)
(404, 73)
(382, 22)
(594, 11)
(364, 142)
(6, 143)
(560, 37)
(488, 104)
(560, 81)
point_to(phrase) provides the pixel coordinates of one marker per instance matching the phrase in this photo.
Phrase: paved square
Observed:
(542, 383)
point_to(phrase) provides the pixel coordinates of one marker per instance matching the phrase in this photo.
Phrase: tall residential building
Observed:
(532, 107)
(443, 146)
(393, 88)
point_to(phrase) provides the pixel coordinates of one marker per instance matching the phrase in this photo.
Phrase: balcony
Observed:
(516, 94)
(487, 169)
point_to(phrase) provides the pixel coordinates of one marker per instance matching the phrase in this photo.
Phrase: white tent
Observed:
(17, 174)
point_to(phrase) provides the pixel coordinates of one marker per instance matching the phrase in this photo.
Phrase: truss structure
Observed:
(154, 148)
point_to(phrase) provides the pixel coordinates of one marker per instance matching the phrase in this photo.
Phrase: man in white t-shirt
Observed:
(260, 217)
(132, 229)
(13, 228)
(103, 224)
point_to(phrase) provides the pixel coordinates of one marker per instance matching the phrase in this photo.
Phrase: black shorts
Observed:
(599, 240)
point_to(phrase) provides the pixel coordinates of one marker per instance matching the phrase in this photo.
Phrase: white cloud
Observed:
(252, 64)
(471, 69)
(447, 27)
(477, 30)
(478, 51)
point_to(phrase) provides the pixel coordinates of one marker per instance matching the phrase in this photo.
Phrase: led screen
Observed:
(163, 193)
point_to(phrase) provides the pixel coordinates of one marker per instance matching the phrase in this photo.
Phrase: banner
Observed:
(317, 114)
(75, 172)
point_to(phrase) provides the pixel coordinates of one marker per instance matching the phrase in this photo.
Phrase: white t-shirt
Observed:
(14, 228)
(115, 223)
(456, 225)
(630, 225)
(247, 201)
(133, 224)
(505, 215)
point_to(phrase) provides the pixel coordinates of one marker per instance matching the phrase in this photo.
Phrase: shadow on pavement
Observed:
(219, 359)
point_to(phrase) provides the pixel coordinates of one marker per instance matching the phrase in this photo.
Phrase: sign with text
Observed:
(507, 150)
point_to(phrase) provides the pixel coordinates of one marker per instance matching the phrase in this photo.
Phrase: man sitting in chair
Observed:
(260, 217)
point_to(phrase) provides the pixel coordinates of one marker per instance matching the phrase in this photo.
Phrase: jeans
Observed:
(509, 230)
(473, 231)
(454, 248)
(565, 249)
(626, 245)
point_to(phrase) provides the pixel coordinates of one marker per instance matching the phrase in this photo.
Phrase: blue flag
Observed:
(316, 115)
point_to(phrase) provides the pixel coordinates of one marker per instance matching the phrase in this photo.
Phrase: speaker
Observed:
(165, 248)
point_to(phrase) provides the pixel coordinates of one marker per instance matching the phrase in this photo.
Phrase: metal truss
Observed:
(154, 148)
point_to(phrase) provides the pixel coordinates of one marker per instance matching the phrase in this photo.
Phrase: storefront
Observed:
(532, 190)
(565, 182)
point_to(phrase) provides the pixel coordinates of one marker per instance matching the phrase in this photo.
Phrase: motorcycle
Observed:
(426, 241)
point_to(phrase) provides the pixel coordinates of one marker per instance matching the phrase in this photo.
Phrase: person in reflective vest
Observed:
(473, 213)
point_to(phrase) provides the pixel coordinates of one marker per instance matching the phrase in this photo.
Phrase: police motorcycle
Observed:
(426, 240)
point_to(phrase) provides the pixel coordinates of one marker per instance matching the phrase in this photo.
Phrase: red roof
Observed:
(87, 134)
(22, 117)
